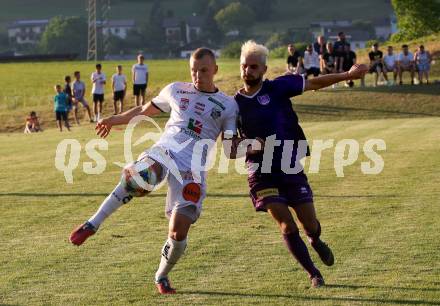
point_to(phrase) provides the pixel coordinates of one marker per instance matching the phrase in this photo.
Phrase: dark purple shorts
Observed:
(291, 189)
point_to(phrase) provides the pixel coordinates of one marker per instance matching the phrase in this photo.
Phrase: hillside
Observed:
(298, 13)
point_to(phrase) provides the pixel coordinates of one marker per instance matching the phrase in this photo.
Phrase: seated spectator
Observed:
(390, 64)
(376, 63)
(311, 62)
(423, 60)
(294, 62)
(328, 60)
(405, 62)
(32, 124)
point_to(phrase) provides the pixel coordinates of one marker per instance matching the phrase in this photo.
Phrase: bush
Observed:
(231, 50)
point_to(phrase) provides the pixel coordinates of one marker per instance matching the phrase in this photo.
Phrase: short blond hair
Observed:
(252, 48)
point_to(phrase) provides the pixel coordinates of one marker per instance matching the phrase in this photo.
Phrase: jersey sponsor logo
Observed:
(269, 192)
(216, 113)
(184, 102)
(264, 99)
(192, 192)
(199, 108)
(185, 92)
(195, 125)
(216, 102)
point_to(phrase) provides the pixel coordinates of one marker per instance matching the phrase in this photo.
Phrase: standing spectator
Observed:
(339, 47)
(98, 80)
(328, 60)
(119, 85)
(319, 45)
(61, 101)
(79, 91)
(376, 63)
(348, 61)
(294, 61)
(390, 64)
(405, 62)
(68, 91)
(32, 124)
(140, 80)
(423, 60)
(311, 61)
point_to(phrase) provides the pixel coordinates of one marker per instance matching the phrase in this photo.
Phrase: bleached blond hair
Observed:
(252, 48)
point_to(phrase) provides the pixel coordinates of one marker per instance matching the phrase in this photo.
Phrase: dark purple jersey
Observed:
(269, 112)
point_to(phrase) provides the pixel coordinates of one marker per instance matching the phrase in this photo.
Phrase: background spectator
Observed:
(294, 61)
(119, 85)
(79, 91)
(423, 60)
(32, 124)
(390, 63)
(311, 61)
(98, 80)
(328, 60)
(376, 63)
(60, 107)
(405, 62)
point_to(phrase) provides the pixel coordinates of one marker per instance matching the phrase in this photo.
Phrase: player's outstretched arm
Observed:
(356, 72)
(104, 126)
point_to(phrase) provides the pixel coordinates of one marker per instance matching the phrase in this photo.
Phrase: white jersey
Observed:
(195, 116)
(79, 89)
(390, 60)
(119, 81)
(98, 80)
(139, 73)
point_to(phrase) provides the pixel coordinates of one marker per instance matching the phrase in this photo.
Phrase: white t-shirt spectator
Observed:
(390, 60)
(405, 60)
(98, 80)
(78, 89)
(119, 81)
(311, 60)
(140, 74)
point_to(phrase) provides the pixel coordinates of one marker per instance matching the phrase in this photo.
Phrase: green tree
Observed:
(416, 18)
(65, 35)
(263, 9)
(235, 16)
(232, 50)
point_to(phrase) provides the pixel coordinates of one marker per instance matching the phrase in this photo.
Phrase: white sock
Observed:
(116, 199)
(171, 252)
(98, 117)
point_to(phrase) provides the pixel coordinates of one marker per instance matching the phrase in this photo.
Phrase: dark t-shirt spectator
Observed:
(318, 48)
(349, 60)
(68, 91)
(375, 55)
(293, 59)
(329, 59)
(338, 44)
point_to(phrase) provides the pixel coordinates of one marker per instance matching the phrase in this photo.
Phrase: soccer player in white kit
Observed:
(198, 112)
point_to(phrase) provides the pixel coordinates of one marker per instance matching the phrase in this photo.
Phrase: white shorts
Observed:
(80, 100)
(185, 195)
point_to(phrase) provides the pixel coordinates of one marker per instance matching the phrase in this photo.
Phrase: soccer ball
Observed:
(138, 179)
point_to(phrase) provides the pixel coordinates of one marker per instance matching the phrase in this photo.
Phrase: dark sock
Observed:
(298, 249)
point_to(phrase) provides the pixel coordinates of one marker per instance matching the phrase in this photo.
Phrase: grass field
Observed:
(383, 228)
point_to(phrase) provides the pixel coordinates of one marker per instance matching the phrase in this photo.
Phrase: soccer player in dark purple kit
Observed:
(266, 114)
